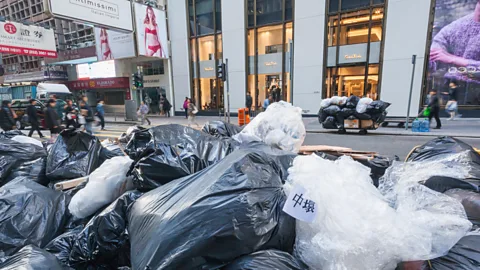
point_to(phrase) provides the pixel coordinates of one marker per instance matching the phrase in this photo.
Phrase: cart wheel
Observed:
(342, 131)
(385, 124)
(401, 125)
(363, 132)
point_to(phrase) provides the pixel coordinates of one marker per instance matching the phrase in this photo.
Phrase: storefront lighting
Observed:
(362, 19)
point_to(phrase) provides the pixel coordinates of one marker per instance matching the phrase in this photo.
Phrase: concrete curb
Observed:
(459, 135)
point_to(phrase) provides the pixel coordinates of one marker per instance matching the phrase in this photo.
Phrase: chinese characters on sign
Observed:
(16, 38)
(300, 207)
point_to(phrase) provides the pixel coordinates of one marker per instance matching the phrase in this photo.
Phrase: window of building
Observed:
(269, 48)
(206, 53)
(354, 48)
(152, 68)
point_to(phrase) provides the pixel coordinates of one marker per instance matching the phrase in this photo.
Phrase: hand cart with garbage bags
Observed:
(352, 113)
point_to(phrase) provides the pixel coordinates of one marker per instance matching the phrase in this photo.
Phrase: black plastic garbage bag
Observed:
(30, 214)
(362, 116)
(10, 134)
(470, 201)
(377, 106)
(125, 137)
(322, 116)
(267, 259)
(74, 155)
(378, 166)
(443, 183)
(352, 102)
(33, 170)
(221, 129)
(104, 241)
(332, 110)
(330, 123)
(15, 158)
(347, 112)
(209, 219)
(465, 255)
(175, 151)
(32, 258)
(443, 147)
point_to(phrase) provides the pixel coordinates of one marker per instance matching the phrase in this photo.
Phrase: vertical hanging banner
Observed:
(17, 38)
(151, 27)
(112, 14)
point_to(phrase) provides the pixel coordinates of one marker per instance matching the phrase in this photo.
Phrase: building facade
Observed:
(314, 49)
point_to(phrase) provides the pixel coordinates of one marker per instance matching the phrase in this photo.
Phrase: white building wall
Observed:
(309, 28)
(178, 28)
(404, 38)
(234, 35)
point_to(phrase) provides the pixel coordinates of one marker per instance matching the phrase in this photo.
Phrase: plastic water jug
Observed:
(425, 126)
(416, 125)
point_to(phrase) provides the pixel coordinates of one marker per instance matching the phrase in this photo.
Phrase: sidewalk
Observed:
(456, 128)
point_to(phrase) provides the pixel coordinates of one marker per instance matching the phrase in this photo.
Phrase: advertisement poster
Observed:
(455, 52)
(151, 31)
(113, 45)
(108, 13)
(17, 38)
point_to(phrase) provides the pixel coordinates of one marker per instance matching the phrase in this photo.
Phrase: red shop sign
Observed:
(107, 83)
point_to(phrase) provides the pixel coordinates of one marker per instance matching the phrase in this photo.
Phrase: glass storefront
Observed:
(269, 48)
(206, 53)
(354, 46)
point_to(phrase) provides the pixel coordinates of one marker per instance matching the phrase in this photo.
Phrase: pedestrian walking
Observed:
(185, 107)
(7, 121)
(267, 102)
(434, 105)
(51, 120)
(166, 106)
(33, 119)
(59, 108)
(192, 113)
(87, 113)
(71, 115)
(143, 111)
(249, 103)
(101, 114)
(452, 104)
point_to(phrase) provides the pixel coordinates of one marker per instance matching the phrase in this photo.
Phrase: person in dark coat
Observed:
(51, 120)
(249, 103)
(71, 115)
(166, 106)
(33, 118)
(434, 106)
(7, 121)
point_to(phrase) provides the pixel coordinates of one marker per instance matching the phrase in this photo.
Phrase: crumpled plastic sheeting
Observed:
(104, 186)
(281, 126)
(30, 214)
(267, 260)
(103, 242)
(206, 220)
(32, 258)
(357, 228)
(221, 129)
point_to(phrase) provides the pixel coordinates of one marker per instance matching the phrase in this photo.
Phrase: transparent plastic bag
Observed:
(363, 104)
(104, 186)
(281, 126)
(375, 234)
(325, 103)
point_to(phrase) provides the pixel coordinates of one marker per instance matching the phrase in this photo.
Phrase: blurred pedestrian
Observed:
(33, 119)
(87, 113)
(249, 103)
(267, 102)
(143, 111)
(185, 106)
(101, 114)
(51, 120)
(192, 113)
(59, 108)
(166, 106)
(71, 115)
(434, 106)
(7, 121)
(452, 104)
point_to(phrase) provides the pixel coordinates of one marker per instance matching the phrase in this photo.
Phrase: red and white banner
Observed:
(17, 38)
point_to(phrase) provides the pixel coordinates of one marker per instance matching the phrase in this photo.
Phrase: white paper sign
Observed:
(300, 207)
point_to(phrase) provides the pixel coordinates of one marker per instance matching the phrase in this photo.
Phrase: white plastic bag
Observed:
(104, 186)
(325, 103)
(281, 126)
(356, 226)
(25, 139)
(363, 104)
(335, 100)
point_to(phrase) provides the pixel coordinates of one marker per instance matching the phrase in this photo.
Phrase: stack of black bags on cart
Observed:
(334, 111)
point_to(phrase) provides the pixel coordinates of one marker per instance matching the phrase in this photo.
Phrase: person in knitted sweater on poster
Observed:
(458, 44)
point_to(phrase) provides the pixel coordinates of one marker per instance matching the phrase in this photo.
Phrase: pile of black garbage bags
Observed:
(334, 111)
(200, 201)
